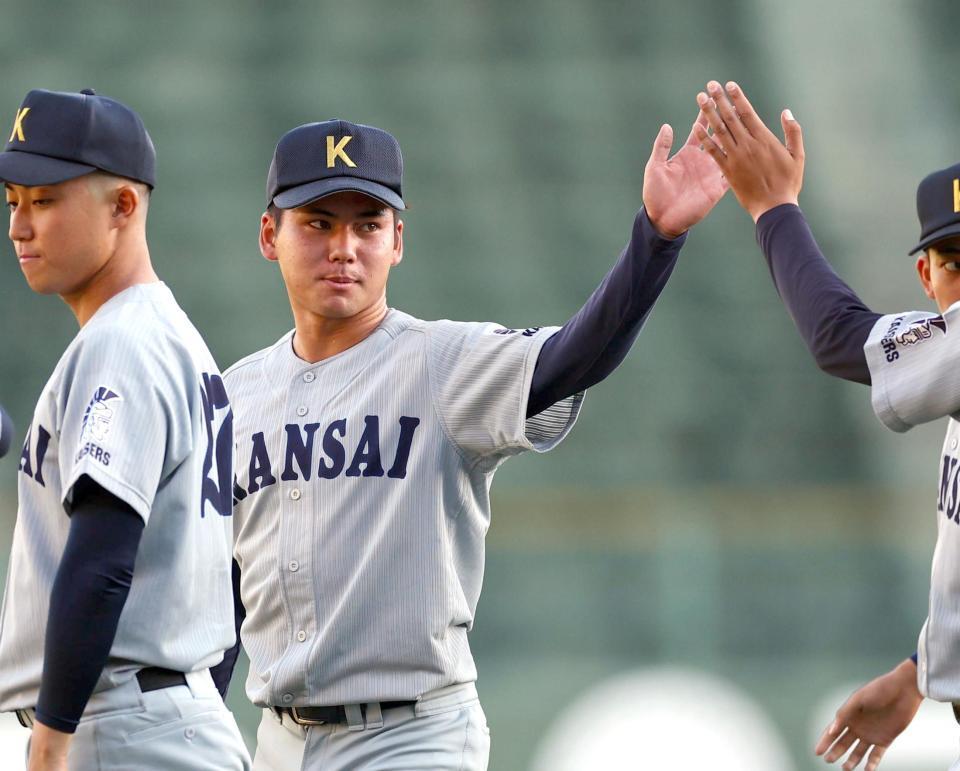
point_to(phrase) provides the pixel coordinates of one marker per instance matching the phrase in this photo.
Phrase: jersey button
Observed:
(295, 494)
(309, 377)
(301, 636)
(190, 733)
(301, 410)
(286, 698)
(953, 445)
(294, 566)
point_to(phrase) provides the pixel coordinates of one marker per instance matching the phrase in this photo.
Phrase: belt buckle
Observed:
(295, 714)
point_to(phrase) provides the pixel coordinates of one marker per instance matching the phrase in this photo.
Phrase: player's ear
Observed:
(126, 201)
(923, 271)
(397, 242)
(268, 236)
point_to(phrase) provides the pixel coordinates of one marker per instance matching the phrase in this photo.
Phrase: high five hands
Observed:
(728, 146)
(762, 172)
(680, 191)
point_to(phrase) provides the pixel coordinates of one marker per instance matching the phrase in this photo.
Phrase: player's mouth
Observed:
(338, 281)
(26, 257)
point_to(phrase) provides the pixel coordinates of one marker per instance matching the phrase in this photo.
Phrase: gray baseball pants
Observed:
(183, 728)
(445, 730)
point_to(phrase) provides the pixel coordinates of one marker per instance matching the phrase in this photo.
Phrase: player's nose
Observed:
(343, 247)
(20, 227)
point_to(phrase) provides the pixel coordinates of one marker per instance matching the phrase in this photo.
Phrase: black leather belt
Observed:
(337, 714)
(956, 710)
(150, 679)
(155, 678)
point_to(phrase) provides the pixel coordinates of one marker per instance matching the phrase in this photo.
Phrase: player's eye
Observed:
(319, 224)
(369, 227)
(953, 266)
(11, 205)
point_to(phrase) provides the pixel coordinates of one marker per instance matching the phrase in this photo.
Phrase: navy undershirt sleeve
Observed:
(88, 595)
(223, 671)
(832, 320)
(596, 340)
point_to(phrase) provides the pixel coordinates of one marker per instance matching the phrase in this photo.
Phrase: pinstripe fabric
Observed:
(361, 574)
(125, 406)
(915, 380)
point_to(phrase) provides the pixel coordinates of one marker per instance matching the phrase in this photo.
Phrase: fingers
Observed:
(701, 121)
(840, 746)
(730, 118)
(710, 145)
(828, 737)
(709, 108)
(748, 116)
(876, 754)
(662, 145)
(856, 755)
(792, 134)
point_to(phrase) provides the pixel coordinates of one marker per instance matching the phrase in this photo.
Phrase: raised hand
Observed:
(680, 191)
(762, 171)
(872, 718)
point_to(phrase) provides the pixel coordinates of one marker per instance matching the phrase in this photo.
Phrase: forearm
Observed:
(223, 672)
(597, 338)
(832, 320)
(88, 595)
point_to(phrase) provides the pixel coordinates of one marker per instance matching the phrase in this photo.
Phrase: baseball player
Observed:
(118, 598)
(906, 358)
(367, 442)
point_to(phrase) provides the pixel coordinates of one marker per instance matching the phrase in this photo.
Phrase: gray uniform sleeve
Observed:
(124, 417)
(913, 359)
(480, 377)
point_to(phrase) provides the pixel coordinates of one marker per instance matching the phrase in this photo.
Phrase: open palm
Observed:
(680, 191)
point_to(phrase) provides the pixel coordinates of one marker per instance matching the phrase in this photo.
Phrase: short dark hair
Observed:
(276, 212)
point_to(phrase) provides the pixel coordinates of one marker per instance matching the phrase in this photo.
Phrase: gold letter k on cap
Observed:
(18, 125)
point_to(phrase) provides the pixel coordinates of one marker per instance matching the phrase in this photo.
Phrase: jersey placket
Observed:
(297, 534)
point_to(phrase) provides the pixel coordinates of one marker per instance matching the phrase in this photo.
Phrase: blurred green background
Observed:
(721, 503)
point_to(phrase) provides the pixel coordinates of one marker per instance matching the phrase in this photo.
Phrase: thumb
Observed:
(792, 134)
(662, 145)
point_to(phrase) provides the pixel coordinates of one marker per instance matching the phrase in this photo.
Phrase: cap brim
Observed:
(30, 169)
(304, 194)
(953, 229)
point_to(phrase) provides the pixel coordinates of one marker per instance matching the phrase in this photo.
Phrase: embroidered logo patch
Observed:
(922, 330)
(98, 417)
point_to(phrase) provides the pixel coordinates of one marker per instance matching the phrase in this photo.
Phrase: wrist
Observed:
(664, 231)
(906, 674)
(48, 743)
(762, 207)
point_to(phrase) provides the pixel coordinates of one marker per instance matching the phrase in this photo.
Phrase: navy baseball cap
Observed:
(58, 136)
(938, 206)
(317, 159)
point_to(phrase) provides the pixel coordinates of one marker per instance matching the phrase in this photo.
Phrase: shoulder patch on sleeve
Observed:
(528, 332)
(98, 417)
(920, 331)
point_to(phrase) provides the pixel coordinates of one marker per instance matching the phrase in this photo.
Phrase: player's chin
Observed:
(42, 283)
(336, 308)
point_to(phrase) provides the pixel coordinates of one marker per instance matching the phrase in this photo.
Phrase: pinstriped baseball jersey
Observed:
(362, 503)
(913, 368)
(137, 404)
